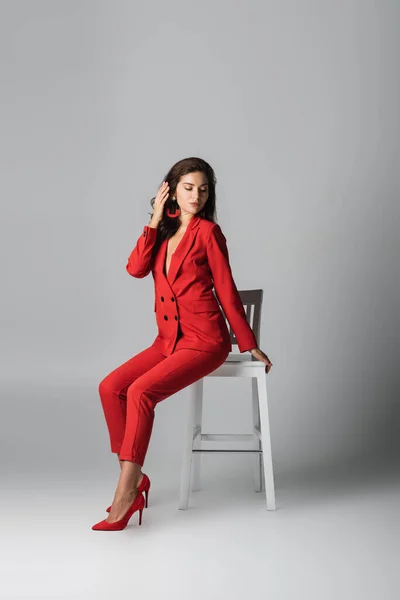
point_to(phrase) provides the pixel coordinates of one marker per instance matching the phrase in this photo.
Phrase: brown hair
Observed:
(168, 226)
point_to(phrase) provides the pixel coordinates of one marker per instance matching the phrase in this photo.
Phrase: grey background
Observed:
(297, 112)
(295, 105)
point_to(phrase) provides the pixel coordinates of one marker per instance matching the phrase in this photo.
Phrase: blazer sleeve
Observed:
(141, 258)
(226, 290)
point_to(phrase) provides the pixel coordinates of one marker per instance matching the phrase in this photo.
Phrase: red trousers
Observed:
(130, 393)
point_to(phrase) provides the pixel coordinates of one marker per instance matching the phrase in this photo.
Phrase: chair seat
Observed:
(238, 367)
(240, 357)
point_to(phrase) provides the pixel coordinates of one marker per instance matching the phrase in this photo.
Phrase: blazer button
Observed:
(172, 299)
(162, 298)
(176, 318)
(165, 317)
(144, 233)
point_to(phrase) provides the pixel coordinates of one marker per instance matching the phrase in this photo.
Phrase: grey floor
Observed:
(334, 534)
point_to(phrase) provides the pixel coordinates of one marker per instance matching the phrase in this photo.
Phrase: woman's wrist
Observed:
(154, 224)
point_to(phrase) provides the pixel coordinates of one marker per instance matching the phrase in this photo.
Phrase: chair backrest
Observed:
(252, 302)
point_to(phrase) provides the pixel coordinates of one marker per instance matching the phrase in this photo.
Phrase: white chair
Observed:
(236, 365)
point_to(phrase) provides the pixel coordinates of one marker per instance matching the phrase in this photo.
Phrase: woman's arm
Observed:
(141, 257)
(226, 290)
(140, 260)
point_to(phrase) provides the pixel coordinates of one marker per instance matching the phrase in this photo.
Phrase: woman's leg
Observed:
(167, 377)
(112, 390)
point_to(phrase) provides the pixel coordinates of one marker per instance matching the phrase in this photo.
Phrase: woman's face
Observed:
(192, 193)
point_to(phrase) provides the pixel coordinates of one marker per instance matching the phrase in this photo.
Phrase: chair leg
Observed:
(262, 472)
(198, 418)
(187, 450)
(256, 423)
(266, 442)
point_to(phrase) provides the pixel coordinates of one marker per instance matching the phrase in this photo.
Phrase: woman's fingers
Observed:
(260, 355)
(162, 193)
(268, 364)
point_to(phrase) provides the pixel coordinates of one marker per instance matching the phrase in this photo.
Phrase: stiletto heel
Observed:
(137, 504)
(143, 487)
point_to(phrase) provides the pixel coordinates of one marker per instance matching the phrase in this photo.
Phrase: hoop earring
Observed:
(174, 211)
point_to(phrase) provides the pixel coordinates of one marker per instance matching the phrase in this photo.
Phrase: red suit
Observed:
(193, 338)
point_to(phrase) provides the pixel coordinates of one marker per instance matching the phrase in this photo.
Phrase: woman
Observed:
(186, 252)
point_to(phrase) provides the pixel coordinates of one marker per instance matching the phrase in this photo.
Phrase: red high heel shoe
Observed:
(143, 487)
(137, 504)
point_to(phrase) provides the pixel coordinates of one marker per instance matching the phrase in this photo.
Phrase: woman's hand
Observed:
(159, 201)
(259, 355)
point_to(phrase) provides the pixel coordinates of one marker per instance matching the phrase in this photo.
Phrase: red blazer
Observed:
(185, 298)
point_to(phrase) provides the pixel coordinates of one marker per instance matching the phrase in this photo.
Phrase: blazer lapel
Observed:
(180, 253)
